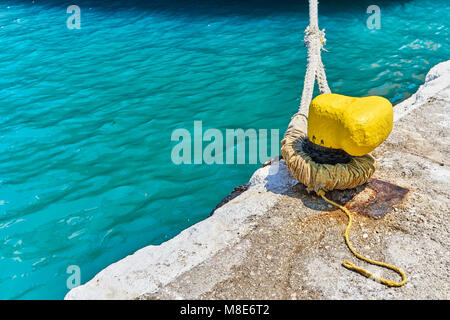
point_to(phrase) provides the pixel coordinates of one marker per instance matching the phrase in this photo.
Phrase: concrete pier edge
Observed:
(274, 242)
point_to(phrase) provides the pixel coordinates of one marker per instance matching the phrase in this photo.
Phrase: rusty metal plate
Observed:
(374, 199)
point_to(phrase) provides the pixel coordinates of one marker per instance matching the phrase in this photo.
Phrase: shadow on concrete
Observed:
(374, 199)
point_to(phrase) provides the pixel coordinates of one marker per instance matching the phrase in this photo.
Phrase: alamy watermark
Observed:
(374, 20)
(74, 280)
(213, 147)
(74, 20)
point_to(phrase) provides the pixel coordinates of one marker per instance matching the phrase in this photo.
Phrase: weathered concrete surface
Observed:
(275, 241)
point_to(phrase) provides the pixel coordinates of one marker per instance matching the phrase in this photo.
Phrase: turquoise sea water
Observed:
(86, 116)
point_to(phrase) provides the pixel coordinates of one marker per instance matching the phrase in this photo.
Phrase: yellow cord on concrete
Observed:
(351, 266)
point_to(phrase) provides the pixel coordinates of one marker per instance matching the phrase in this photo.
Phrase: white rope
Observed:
(314, 40)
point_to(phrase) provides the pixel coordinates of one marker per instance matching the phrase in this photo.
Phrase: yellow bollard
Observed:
(355, 125)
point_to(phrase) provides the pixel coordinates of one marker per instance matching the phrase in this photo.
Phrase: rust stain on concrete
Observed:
(374, 199)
